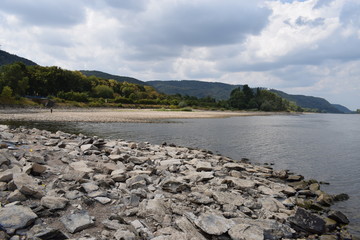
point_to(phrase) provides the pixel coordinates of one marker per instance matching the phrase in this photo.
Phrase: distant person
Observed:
(50, 110)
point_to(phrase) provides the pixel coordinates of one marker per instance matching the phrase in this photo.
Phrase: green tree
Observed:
(237, 99)
(7, 92)
(104, 91)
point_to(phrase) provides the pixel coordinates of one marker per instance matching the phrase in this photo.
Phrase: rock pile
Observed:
(64, 186)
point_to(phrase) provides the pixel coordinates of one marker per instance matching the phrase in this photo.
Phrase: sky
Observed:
(308, 47)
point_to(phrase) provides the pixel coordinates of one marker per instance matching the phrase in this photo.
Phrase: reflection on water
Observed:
(320, 146)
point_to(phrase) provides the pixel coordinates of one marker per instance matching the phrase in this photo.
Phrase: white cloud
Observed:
(306, 47)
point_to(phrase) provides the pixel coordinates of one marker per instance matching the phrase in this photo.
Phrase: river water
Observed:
(325, 147)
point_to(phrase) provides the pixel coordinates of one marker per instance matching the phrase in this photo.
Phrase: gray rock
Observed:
(339, 217)
(174, 185)
(6, 176)
(90, 187)
(46, 233)
(54, 202)
(295, 178)
(213, 224)
(87, 147)
(242, 184)
(228, 198)
(103, 200)
(27, 185)
(308, 222)
(81, 166)
(246, 232)
(124, 235)
(77, 221)
(16, 217)
(189, 229)
(16, 196)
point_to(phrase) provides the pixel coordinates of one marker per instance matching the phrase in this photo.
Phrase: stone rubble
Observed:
(66, 186)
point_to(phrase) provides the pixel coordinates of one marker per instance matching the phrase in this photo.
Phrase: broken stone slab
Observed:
(203, 166)
(90, 187)
(174, 185)
(246, 232)
(237, 183)
(228, 198)
(213, 224)
(27, 185)
(54, 203)
(16, 217)
(234, 166)
(87, 147)
(81, 166)
(46, 233)
(189, 229)
(6, 176)
(307, 222)
(77, 221)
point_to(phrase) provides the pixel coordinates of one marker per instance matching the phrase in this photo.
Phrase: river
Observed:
(325, 147)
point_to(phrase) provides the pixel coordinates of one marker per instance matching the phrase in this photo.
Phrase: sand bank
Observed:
(116, 115)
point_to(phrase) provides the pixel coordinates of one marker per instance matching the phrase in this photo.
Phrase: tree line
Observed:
(18, 80)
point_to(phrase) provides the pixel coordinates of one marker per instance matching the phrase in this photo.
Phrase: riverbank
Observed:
(117, 115)
(68, 186)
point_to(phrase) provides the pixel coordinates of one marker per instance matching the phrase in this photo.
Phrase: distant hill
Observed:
(342, 108)
(219, 91)
(309, 102)
(7, 58)
(110, 76)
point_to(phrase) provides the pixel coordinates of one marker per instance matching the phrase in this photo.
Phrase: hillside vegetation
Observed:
(7, 58)
(76, 89)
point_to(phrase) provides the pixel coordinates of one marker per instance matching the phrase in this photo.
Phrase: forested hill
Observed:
(110, 76)
(7, 58)
(309, 102)
(223, 90)
(217, 90)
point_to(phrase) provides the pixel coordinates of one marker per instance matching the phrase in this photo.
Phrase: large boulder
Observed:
(307, 222)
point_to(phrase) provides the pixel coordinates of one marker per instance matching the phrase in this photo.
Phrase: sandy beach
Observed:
(115, 115)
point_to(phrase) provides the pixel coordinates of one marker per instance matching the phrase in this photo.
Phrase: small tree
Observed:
(7, 92)
(104, 91)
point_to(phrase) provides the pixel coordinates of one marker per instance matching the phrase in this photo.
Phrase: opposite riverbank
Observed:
(117, 115)
(66, 186)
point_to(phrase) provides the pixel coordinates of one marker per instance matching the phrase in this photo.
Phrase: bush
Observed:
(104, 91)
(74, 96)
(123, 100)
(7, 92)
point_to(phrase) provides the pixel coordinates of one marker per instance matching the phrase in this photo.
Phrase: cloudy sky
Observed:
(309, 47)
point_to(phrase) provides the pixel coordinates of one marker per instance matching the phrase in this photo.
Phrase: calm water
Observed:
(321, 146)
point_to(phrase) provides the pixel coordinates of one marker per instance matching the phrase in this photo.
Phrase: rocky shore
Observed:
(65, 186)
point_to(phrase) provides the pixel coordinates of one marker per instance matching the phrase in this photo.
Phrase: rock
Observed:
(46, 233)
(77, 221)
(6, 176)
(341, 197)
(81, 166)
(124, 235)
(28, 186)
(103, 200)
(174, 185)
(295, 178)
(37, 168)
(16, 196)
(308, 222)
(213, 224)
(241, 184)
(87, 147)
(54, 202)
(228, 198)
(246, 232)
(203, 166)
(16, 217)
(234, 166)
(325, 199)
(188, 228)
(90, 187)
(338, 217)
